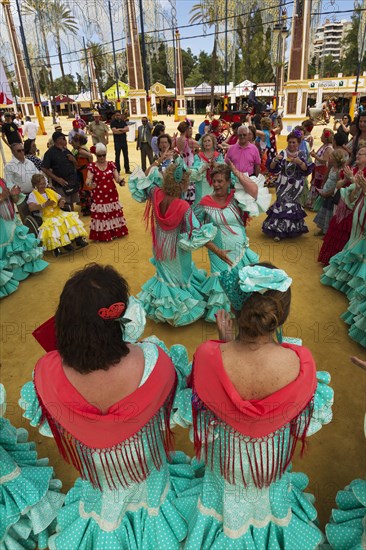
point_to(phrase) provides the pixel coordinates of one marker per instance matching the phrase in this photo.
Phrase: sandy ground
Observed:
(334, 457)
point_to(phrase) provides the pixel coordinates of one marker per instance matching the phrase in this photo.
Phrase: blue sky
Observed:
(193, 36)
(206, 43)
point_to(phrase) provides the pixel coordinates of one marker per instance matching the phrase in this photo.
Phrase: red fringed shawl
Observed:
(208, 161)
(252, 428)
(171, 223)
(208, 203)
(133, 429)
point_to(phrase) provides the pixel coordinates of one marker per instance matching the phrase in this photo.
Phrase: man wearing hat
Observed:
(59, 164)
(76, 130)
(9, 131)
(98, 130)
(253, 101)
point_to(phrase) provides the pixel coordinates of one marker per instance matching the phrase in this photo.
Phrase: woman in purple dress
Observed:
(285, 218)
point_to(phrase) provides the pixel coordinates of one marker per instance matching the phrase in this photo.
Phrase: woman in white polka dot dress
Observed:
(107, 220)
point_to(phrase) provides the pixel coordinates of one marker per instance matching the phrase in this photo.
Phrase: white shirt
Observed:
(30, 129)
(20, 173)
(32, 198)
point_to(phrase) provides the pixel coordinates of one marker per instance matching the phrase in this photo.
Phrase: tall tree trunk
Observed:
(213, 73)
(59, 54)
(49, 69)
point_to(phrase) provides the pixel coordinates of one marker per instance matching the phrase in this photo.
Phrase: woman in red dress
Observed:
(107, 220)
(321, 158)
(340, 226)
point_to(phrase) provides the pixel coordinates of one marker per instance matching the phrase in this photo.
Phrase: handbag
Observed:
(72, 187)
(336, 197)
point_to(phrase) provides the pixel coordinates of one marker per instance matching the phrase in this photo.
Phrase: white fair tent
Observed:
(243, 88)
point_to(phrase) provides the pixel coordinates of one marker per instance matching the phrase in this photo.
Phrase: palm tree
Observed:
(99, 57)
(62, 21)
(52, 17)
(206, 12)
(40, 9)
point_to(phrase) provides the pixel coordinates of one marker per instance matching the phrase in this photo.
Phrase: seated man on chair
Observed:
(18, 172)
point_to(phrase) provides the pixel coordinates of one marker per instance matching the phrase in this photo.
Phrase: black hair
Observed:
(165, 136)
(86, 341)
(27, 145)
(340, 138)
(157, 129)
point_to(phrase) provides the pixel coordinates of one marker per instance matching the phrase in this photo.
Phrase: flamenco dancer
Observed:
(321, 158)
(20, 251)
(227, 210)
(131, 489)
(30, 497)
(202, 167)
(174, 295)
(285, 218)
(246, 428)
(346, 270)
(107, 219)
(340, 225)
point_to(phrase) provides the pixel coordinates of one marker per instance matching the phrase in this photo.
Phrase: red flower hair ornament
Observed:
(112, 312)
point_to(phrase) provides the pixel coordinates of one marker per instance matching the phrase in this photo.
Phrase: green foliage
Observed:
(256, 48)
(349, 62)
(189, 62)
(160, 70)
(65, 85)
(195, 77)
(329, 67)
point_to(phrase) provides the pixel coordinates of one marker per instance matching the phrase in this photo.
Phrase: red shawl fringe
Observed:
(268, 457)
(218, 215)
(165, 241)
(125, 463)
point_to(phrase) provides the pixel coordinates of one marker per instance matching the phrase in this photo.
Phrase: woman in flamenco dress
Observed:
(173, 295)
(107, 219)
(114, 400)
(228, 210)
(246, 428)
(202, 167)
(347, 269)
(340, 225)
(30, 497)
(20, 251)
(285, 218)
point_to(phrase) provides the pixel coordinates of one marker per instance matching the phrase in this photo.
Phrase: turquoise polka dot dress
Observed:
(145, 515)
(30, 496)
(246, 517)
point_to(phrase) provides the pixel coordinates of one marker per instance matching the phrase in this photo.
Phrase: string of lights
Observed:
(181, 27)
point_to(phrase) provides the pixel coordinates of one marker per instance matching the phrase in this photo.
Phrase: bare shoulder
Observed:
(259, 373)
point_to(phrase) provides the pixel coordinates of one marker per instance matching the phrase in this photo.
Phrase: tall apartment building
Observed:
(328, 39)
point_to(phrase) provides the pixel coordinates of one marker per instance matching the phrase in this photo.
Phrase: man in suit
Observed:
(144, 142)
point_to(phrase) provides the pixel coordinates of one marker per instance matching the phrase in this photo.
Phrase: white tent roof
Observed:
(85, 96)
